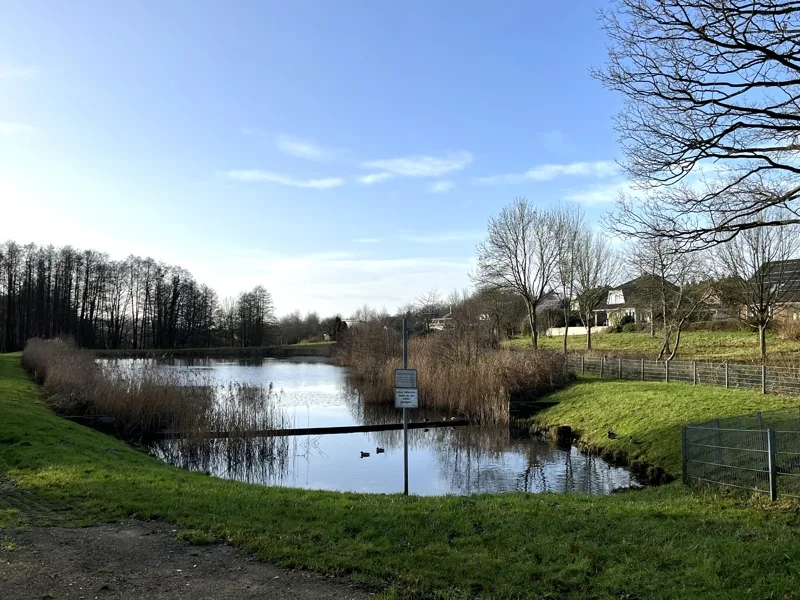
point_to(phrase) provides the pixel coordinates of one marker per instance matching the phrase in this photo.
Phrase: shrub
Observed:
(733, 325)
(789, 329)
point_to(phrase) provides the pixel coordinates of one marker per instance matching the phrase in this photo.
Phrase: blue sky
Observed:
(336, 152)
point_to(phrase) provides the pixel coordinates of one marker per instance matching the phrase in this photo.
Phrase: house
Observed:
(443, 322)
(783, 280)
(634, 298)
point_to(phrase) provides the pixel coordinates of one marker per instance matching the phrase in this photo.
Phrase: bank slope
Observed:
(659, 543)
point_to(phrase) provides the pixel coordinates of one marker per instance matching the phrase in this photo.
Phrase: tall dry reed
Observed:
(146, 399)
(455, 371)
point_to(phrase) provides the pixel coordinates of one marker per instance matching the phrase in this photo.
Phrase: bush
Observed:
(789, 330)
(625, 320)
(732, 325)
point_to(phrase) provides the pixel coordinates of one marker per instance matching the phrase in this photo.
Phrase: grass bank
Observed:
(650, 412)
(739, 346)
(667, 542)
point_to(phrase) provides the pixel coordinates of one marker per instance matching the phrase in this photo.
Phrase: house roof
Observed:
(634, 293)
(785, 274)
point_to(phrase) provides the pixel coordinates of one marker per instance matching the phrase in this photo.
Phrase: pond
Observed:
(311, 392)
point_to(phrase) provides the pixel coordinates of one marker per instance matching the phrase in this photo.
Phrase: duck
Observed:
(380, 450)
(364, 454)
(633, 440)
(611, 435)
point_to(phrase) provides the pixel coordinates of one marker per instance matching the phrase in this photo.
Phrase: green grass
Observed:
(667, 542)
(741, 346)
(650, 412)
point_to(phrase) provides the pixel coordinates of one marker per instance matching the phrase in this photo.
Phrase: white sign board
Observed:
(406, 398)
(405, 378)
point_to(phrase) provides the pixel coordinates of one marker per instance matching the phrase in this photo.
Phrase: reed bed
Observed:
(455, 372)
(145, 399)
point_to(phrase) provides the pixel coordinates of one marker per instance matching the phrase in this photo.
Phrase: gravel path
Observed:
(140, 561)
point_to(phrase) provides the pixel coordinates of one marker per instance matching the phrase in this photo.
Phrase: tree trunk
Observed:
(532, 322)
(588, 331)
(762, 340)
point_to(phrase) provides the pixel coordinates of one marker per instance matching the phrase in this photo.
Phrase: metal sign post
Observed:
(406, 396)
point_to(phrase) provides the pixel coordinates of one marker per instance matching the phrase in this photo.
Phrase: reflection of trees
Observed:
(479, 460)
(252, 460)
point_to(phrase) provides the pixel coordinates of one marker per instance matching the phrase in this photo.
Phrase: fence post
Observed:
(758, 419)
(726, 374)
(619, 368)
(583, 364)
(684, 456)
(642, 369)
(602, 365)
(773, 468)
(763, 379)
(694, 372)
(666, 369)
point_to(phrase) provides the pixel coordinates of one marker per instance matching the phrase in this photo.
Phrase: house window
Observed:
(616, 297)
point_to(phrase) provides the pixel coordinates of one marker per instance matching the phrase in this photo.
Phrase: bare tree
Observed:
(709, 85)
(678, 281)
(596, 268)
(520, 254)
(754, 275)
(569, 222)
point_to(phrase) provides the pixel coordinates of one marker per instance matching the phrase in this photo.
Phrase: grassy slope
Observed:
(660, 543)
(705, 345)
(651, 412)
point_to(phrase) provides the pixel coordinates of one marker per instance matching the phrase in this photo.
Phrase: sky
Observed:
(338, 153)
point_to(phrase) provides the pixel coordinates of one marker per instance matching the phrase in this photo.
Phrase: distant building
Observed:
(783, 280)
(633, 299)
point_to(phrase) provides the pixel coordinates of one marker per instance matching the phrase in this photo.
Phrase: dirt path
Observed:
(139, 561)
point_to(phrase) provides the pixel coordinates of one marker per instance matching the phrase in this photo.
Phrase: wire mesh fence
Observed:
(759, 452)
(768, 379)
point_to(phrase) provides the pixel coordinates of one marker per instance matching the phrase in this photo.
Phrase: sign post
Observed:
(406, 395)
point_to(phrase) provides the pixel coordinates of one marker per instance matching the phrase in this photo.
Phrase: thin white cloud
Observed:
(8, 128)
(421, 165)
(300, 148)
(441, 187)
(255, 175)
(606, 193)
(330, 283)
(17, 72)
(375, 178)
(600, 169)
(368, 240)
(442, 237)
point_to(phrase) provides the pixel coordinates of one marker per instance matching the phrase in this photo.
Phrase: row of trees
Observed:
(131, 303)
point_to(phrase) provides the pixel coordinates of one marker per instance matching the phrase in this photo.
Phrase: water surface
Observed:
(314, 393)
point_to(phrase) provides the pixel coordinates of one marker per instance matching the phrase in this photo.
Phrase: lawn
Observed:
(650, 412)
(667, 542)
(740, 346)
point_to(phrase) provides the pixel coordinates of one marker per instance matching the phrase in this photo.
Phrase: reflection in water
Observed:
(447, 460)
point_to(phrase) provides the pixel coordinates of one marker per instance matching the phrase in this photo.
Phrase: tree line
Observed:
(135, 303)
